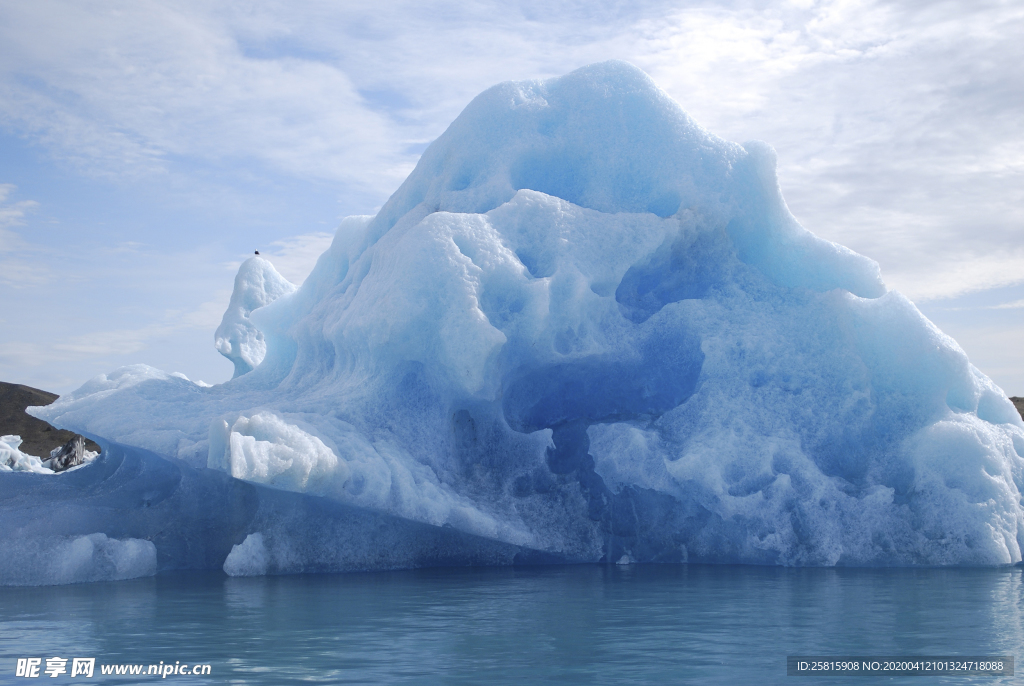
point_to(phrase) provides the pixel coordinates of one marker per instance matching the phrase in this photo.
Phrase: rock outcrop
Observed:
(38, 437)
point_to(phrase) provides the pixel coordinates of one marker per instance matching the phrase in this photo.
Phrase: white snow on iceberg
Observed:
(585, 326)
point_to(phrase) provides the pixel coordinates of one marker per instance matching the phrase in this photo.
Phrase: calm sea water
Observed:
(554, 625)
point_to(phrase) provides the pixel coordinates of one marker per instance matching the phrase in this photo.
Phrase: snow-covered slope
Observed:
(586, 326)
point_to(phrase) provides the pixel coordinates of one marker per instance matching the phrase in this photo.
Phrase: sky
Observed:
(147, 148)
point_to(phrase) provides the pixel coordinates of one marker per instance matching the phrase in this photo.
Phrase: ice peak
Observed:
(257, 284)
(603, 137)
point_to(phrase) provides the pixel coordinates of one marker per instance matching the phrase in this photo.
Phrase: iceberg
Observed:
(584, 329)
(12, 459)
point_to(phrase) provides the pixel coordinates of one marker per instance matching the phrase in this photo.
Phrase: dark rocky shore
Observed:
(38, 438)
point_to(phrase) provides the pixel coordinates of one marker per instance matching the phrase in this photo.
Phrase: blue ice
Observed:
(583, 329)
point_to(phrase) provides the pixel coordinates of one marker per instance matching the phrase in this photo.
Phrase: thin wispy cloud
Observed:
(127, 87)
(1015, 305)
(12, 215)
(206, 317)
(22, 264)
(295, 257)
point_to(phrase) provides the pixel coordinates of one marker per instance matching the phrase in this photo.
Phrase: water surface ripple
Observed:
(704, 624)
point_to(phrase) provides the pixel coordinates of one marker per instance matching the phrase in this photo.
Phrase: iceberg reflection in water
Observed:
(602, 624)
